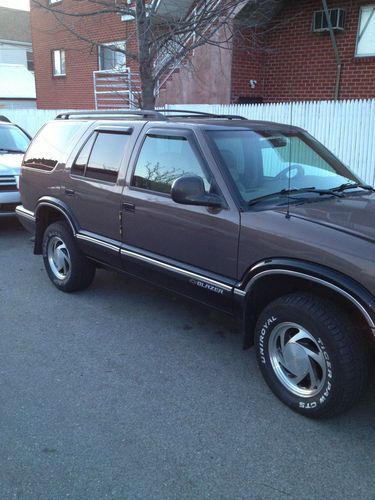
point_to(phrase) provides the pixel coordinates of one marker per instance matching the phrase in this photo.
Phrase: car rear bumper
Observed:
(26, 218)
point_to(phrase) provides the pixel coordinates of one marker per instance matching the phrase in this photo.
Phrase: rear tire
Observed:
(66, 266)
(311, 355)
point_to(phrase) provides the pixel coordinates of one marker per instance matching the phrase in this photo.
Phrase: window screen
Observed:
(164, 159)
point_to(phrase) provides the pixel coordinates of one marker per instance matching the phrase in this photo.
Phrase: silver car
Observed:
(13, 143)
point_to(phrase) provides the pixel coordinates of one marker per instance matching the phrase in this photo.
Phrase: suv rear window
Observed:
(51, 145)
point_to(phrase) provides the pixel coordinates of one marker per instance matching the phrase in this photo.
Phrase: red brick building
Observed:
(290, 61)
(281, 59)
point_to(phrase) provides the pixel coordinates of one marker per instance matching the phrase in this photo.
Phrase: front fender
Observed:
(323, 276)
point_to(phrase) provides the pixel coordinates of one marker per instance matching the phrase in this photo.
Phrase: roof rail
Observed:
(196, 114)
(137, 112)
(159, 114)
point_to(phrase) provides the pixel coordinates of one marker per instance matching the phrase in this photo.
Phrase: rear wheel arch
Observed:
(66, 266)
(46, 214)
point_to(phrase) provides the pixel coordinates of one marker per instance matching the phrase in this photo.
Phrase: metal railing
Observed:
(114, 89)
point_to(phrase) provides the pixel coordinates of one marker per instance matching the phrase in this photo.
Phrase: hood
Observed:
(10, 163)
(353, 213)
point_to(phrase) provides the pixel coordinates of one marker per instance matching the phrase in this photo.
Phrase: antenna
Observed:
(290, 163)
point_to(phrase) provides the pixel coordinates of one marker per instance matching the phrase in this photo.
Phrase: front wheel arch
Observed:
(273, 286)
(310, 355)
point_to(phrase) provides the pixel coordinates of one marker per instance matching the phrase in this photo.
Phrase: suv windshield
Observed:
(266, 162)
(12, 139)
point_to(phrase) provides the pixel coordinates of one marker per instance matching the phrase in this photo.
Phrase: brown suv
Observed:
(256, 219)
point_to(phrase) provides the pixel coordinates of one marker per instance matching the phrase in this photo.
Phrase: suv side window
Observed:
(100, 158)
(164, 159)
(78, 167)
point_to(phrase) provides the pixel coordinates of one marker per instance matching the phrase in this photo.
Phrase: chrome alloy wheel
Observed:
(59, 258)
(297, 359)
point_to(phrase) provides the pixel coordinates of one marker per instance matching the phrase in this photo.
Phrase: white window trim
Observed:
(61, 52)
(118, 43)
(358, 33)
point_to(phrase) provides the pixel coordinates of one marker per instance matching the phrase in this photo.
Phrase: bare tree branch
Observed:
(163, 41)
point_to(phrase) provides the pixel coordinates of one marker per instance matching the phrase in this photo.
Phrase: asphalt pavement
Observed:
(124, 391)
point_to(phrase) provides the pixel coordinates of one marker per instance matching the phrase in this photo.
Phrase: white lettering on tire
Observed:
(263, 332)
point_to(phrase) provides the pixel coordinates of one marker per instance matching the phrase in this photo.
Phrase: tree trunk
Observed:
(147, 85)
(145, 61)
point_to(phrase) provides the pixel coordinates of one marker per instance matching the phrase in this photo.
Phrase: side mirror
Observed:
(189, 190)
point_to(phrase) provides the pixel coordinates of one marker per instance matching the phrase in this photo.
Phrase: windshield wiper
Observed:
(291, 192)
(6, 150)
(352, 185)
(312, 190)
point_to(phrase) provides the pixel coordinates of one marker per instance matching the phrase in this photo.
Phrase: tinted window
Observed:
(80, 163)
(164, 159)
(52, 145)
(106, 155)
(12, 139)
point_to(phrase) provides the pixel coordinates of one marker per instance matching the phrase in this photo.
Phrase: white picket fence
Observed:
(347, 128)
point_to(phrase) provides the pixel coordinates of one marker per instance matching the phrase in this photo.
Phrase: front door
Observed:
(189, 248)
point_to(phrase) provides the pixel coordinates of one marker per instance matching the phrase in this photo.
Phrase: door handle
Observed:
(69, 192)
(128, 207)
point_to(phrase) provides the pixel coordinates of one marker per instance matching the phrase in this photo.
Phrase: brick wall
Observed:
(285, 58)
(247, 66)
(75, 90)
(290, 62)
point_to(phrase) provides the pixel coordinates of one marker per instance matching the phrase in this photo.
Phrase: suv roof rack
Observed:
(197, 114)
(144, 113)
(159, 114)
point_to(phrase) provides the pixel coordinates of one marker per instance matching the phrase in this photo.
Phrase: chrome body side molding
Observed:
(26, 214)
(176, 269)
(99, 242)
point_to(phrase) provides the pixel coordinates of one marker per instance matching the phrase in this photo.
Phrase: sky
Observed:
(15, 4)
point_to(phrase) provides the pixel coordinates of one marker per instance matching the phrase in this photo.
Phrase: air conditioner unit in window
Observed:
(320, 24)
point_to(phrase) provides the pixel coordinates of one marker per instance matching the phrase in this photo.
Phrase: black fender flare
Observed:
(58, 205)
(343, 285)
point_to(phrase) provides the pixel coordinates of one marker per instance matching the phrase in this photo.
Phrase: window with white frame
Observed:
(366, 32)
(112, 56)
(30, 60)
(58, 62)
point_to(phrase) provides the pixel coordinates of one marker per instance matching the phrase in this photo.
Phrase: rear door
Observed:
(93, 188)
(189, 248)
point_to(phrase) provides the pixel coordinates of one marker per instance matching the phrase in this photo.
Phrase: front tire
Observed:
(66, 266)
(310, 355)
